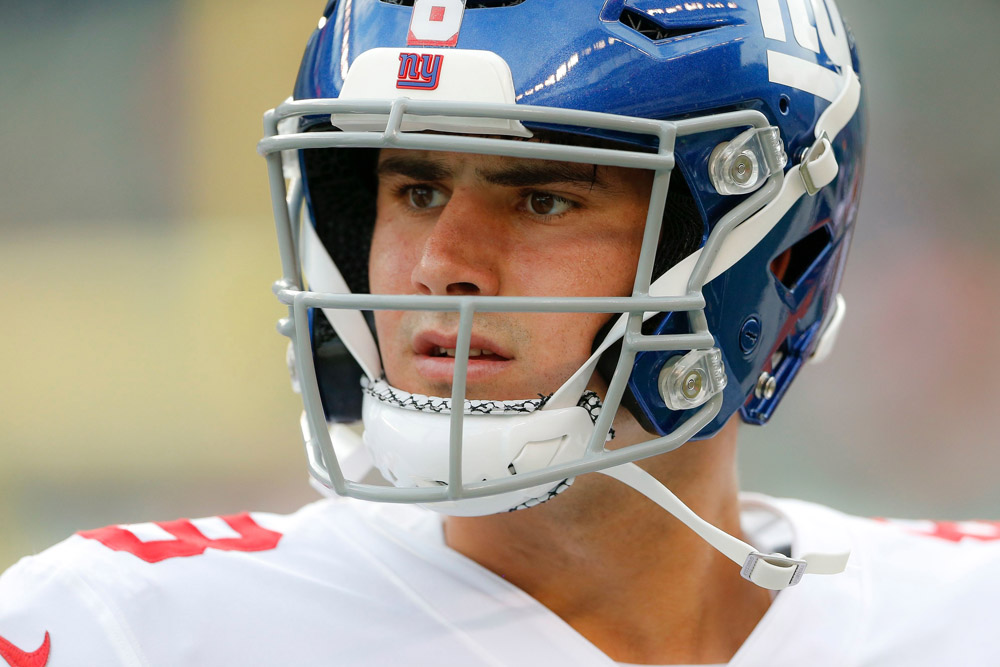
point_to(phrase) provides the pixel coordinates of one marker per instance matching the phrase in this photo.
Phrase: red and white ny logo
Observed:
(435, 22)
(419, 71)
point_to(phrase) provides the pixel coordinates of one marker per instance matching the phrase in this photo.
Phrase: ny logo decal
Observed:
(824, 32)
(419, 71)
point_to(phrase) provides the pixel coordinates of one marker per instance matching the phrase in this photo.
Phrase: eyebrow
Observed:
(536, 172)
(419, 169)
(526, 173)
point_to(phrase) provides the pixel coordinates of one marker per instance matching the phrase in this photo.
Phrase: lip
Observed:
(442, 369)
(425, 342)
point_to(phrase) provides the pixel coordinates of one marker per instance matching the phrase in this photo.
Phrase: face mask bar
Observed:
(680, 292)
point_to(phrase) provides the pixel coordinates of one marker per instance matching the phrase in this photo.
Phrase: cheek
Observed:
(561, 343)
(603, 265)
(394, 330)
(388, 329)
(390, 261)
(569, 335)
(389, 270)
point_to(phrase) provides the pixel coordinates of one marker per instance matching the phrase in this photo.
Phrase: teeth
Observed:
(450, 351)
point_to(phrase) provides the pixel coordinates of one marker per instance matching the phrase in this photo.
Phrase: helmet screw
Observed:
(750, 334)
(742, 169)
(767, 385)
(693, 382)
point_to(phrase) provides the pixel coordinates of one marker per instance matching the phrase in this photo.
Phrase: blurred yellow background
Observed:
(142, 378)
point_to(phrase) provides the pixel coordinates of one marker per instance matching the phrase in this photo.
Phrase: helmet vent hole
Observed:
(783, 105)
(652, 30)
(791, 266)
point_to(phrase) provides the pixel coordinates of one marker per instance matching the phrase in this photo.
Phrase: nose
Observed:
(461, 254)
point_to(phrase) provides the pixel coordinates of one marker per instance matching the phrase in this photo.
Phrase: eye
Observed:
(545, 203)
(425, 196)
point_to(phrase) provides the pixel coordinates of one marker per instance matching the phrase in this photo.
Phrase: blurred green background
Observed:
(140, 374)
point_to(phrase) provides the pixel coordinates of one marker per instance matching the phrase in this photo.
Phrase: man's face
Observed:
(462, 224)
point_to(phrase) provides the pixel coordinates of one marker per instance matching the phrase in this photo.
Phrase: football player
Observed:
(551, 255)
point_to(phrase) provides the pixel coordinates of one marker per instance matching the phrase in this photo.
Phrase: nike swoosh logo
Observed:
(15, 657)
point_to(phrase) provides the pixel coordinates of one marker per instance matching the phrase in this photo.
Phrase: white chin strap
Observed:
(772, 571)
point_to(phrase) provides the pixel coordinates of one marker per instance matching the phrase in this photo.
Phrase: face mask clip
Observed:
(690, 380)
(742, 165)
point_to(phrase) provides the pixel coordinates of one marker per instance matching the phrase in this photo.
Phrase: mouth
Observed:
(435, 353)
(479, 354)
(439, 345)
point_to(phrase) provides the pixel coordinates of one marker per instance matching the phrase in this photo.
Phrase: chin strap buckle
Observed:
(773, 571)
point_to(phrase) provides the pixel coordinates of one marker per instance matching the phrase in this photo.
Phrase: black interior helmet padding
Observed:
(682, 232)
(341, 187)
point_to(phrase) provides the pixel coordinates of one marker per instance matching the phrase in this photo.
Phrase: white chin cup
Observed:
(410, 447)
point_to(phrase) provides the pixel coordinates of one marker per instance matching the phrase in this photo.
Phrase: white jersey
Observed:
(347, 583)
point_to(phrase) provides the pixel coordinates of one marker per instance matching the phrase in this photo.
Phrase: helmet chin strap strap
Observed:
(772, 571)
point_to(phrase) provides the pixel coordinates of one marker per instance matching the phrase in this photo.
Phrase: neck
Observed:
(626, 575)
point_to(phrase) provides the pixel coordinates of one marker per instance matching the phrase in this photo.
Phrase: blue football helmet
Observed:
(748, 113)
